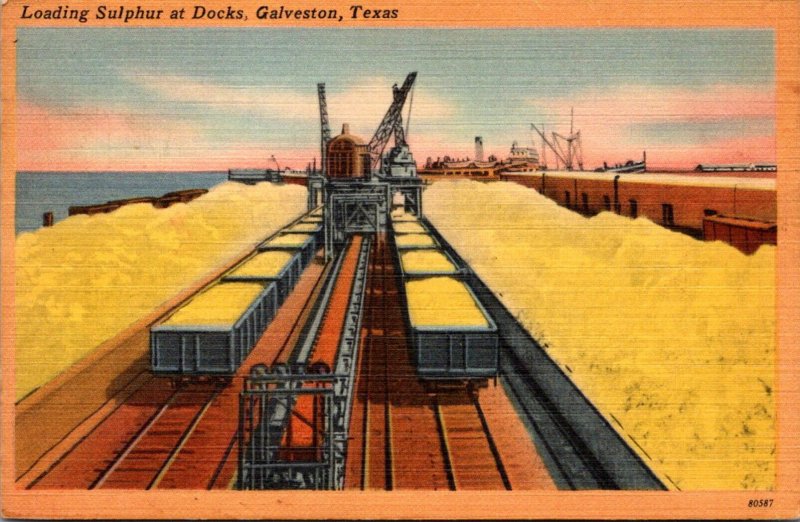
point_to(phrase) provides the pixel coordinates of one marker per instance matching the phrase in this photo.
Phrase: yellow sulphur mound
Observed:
(409, 227)
(265, 264)
(220, 305)
(414, 240)
(288, 240)
(442, 302)
(420, 261)
(672, 336)
(87, 278)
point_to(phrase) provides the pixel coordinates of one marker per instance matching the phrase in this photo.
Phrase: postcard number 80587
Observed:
(760, 502)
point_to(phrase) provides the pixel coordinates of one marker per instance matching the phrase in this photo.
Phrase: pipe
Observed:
(575, 184)
(616, 194)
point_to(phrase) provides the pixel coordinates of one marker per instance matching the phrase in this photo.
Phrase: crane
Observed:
(392, 121)
(567, 149)
(325, 128)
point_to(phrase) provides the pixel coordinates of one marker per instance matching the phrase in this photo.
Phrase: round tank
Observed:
(348, 156)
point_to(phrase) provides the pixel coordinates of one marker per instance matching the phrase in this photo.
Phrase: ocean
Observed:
(40, 192)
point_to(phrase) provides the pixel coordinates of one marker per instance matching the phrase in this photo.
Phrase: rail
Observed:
(152, 433)
(582, 449)
(471, 457)
(274, 400)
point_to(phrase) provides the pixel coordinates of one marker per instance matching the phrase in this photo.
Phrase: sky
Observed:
(99, 99)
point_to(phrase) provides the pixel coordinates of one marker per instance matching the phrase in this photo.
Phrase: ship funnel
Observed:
(478, 148)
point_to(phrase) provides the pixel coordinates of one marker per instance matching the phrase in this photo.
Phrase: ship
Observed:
(629, 167)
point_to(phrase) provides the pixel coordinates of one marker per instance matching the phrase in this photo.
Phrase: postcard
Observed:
(400, 260)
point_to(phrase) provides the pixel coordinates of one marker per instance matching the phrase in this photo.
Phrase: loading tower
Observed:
(359, 181)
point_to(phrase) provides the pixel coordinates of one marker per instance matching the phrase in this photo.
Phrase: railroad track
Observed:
(160, 436)
(46, 429)
(471, 456)
(132, 447)
(88, 458)
(378, 453)
(579, 446)
(326, 336)
(405, 435)
(166, 437)
(414, 458)
(455, 437)
(147, 457)
(293, 419)
(216, 435)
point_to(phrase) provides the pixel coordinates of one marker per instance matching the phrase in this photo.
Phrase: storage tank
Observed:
(348, 156)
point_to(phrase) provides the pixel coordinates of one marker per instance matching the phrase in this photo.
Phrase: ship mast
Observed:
(567, 149)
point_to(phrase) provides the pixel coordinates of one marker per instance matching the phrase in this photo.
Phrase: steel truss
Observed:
(266, 410)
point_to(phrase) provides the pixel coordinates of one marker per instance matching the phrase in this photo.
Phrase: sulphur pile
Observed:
(220, 305)
(288, 240)
(442, 302)
(408, 227)
(414, 241)
(426, 261)
(87, 278)
(265, 264)
(304, 227)
(672, 337)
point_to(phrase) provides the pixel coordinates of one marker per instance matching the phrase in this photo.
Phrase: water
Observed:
(40, 192)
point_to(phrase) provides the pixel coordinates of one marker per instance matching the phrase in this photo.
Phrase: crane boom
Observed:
(325, 128)
(550, 144)
(567, 149)
(392, 122)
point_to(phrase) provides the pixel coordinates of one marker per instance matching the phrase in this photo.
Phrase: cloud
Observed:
(277, 102)
(750, 149)
(678, 126)
(633, 104)
(362, 104)
(184, 123)
(50, 138)
(115, 138)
